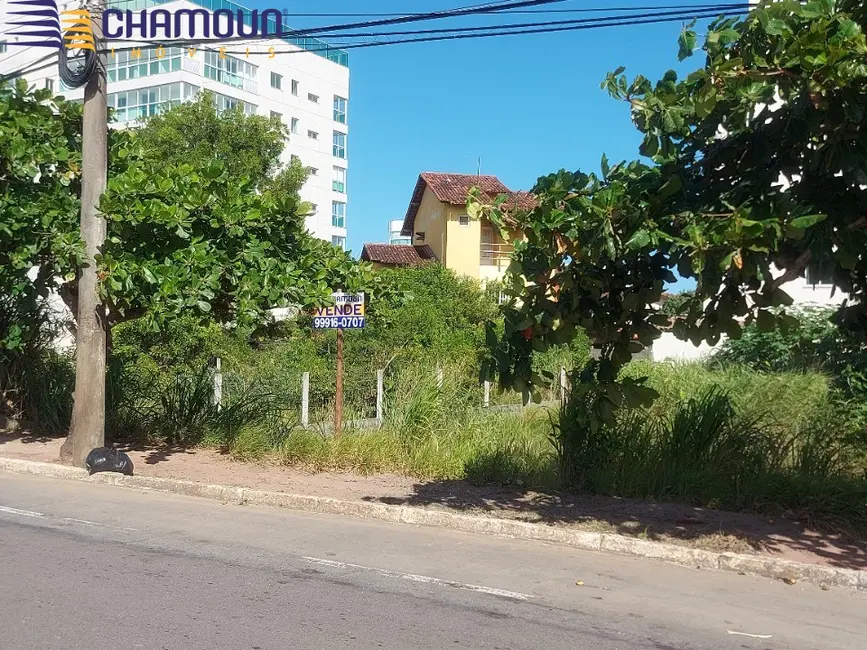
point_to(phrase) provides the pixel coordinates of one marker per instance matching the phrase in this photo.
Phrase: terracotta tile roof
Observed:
(454, 188)
(397, 254)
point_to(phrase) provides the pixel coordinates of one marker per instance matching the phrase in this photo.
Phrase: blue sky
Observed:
(527, 105)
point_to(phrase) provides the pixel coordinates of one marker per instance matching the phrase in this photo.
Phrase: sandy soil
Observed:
(786, 538)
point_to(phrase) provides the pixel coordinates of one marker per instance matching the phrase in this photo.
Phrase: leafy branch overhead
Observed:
(757, 169)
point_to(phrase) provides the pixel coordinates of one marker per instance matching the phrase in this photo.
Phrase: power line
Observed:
(427, 39)
(712, 11)
(584, 10)
(707, 11)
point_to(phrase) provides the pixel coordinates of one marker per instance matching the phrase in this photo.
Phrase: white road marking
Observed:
(752, 636)
(417, 578)
(30, 513)
(23, 513)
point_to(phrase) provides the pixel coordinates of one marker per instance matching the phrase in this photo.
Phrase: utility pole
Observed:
(87, 430)
(338, 393)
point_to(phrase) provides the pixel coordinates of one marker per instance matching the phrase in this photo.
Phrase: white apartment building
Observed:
(394, 236)
(301, 80)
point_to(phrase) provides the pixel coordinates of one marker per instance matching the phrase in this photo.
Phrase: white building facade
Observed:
(301, 80)
(394, 236)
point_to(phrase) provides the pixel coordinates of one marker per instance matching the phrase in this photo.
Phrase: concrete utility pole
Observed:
(88, 413)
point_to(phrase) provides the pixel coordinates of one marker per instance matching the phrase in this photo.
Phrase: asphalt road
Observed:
(95, 567)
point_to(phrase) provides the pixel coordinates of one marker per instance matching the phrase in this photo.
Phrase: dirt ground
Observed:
(785, 538)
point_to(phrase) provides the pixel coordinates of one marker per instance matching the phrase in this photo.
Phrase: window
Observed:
(818, 273)
(49, 83)
(338, 148)
(340, 242)
(125, 65)
(313, 98)
(313, 171)
(294, 158)
(313, 135)
(276, 81)
(295, 87)
(463, 220)
(228, 69)
(2, 47)
(293, 128)
(313, 208)
(138, 104)
(338, 214)
(279, 116)
(340, 109)
(226, 103)
(338, 184)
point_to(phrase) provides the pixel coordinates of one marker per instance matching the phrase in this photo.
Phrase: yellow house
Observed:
(437, 216)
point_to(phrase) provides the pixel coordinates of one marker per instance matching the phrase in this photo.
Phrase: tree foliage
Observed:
(183, 238)
(197, 218)
(40, 162)
(758, 168)
(249, 146)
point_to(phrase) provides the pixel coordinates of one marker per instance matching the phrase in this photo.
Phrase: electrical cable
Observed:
(681, 15)
(29, 68)
(492, 30)
(427, 39)
(288, 14)
(78, 77)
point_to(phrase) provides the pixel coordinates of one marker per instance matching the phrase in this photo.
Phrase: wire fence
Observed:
(310, 398)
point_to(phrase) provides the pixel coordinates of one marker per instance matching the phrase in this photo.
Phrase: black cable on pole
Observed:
(76, 78)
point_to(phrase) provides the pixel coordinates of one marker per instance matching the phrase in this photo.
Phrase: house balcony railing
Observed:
(495, 254)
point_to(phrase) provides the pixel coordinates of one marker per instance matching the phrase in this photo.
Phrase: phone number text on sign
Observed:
(346, 313)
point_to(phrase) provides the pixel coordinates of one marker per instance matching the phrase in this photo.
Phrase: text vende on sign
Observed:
(347, 312)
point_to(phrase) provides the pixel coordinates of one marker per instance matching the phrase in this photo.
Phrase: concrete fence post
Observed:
(218, 384)
(380, 392)
(487, 401)
(439, 376)
(305, 399)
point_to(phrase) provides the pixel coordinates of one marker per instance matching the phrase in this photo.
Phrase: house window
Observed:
(293, 158)
(338, 184)
(313, 98)
(132, 105)
(227, 69)
(49, 83)
(313, 208)
(226, 103)
(313, 171)
(338, 241)
(339, 145)
(2, 47)
(293, 126)
(464, 220)
(295, 87)
(313, 135)
(340, 109)
(132, 64)
(338, 214)
(276, 81)
(277, 115)
(819, 273)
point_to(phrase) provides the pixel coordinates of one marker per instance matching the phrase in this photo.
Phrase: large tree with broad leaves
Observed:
(755, 167)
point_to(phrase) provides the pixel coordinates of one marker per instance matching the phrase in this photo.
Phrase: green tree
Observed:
(183, 239)
(249, 146)
(781, 96)
(40, 162)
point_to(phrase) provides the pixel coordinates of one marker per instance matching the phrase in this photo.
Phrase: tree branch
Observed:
(794, 271)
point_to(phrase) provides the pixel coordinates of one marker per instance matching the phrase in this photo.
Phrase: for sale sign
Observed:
(346, 313)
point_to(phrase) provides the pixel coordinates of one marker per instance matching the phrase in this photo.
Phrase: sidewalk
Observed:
(781, 539)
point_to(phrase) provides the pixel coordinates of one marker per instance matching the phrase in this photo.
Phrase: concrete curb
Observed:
(744, 564)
